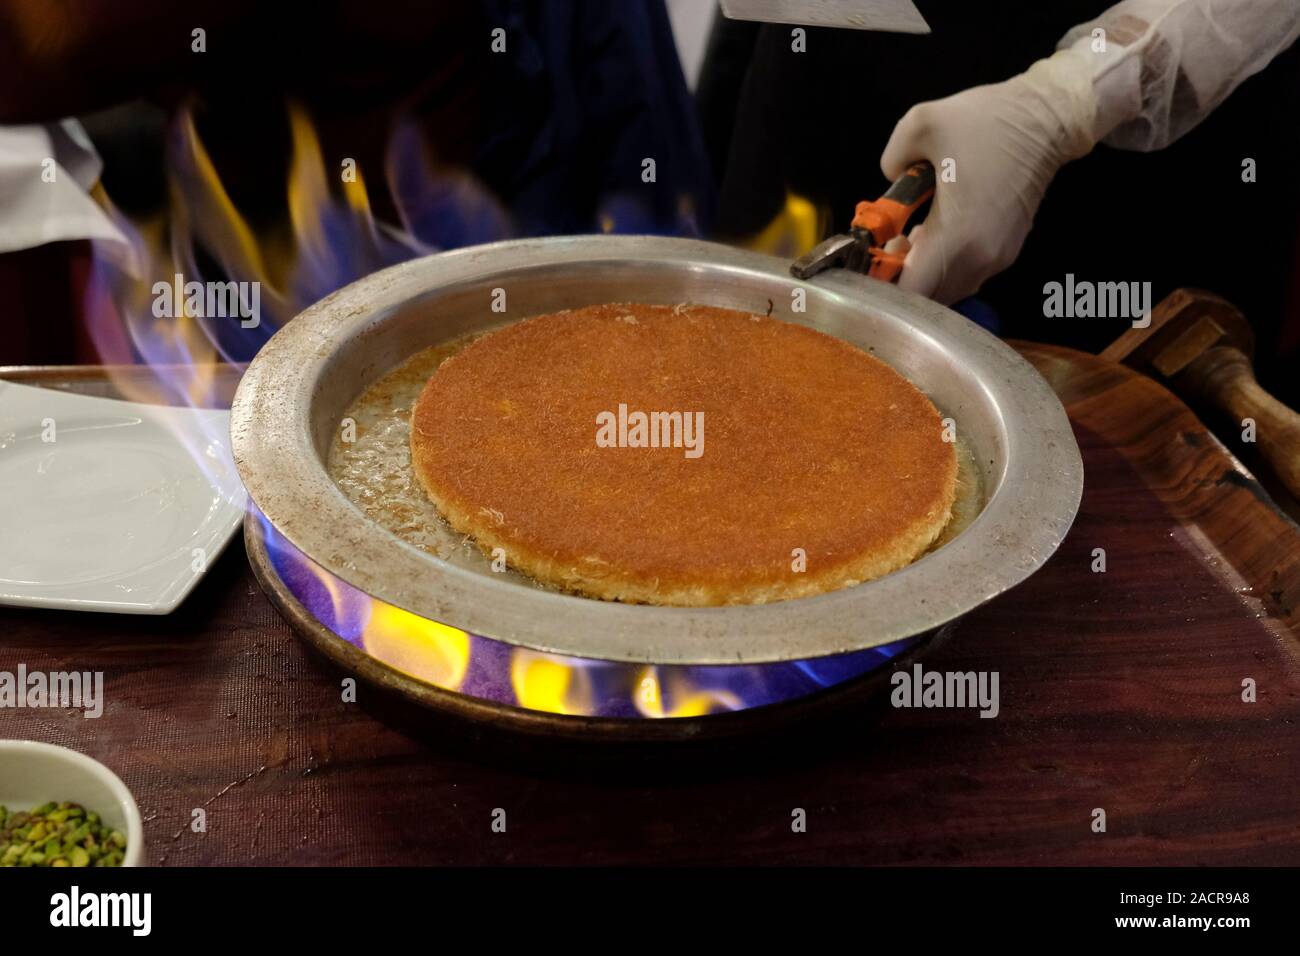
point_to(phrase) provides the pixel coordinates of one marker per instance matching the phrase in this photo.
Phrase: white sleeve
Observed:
(46, 173)
(1167, 64)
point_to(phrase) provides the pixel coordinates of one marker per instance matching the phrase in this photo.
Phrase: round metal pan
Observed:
(296, 391)
(538, 723)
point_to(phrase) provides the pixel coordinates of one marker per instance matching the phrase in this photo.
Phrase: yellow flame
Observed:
(546, 683)
(202, 214)
(308, 189)
(793, 231)
(204, 209)
(354, 191)
(687, 701)
(433, 652)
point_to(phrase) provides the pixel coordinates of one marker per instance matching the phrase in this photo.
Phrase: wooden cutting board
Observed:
(1120, 691)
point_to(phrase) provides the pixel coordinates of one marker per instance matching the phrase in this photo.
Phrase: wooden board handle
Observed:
(1223, 377)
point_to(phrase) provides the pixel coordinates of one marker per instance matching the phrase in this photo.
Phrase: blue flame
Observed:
(614, 684)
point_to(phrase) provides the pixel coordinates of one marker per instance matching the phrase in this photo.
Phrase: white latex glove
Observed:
(1006, 142)
(1164, 66)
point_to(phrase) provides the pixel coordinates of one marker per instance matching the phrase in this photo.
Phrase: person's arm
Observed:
(1169, 63)
(1164, 65)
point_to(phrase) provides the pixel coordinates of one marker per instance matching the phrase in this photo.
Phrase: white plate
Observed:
(108, 505)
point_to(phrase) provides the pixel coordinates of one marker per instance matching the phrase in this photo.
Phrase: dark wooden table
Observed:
(1119, 690)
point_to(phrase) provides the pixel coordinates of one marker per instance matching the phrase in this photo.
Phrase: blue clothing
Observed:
(586, 92)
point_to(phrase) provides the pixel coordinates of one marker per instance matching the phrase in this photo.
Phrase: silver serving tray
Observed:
(296, 391)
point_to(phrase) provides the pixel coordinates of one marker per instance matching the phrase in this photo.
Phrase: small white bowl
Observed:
(33, 773)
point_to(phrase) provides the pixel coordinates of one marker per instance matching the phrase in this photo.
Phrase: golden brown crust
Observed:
(809, 443)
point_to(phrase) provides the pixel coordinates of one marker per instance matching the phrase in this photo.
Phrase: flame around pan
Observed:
(491, 670)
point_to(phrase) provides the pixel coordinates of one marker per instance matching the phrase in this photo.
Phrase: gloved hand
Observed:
(1007, 141)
